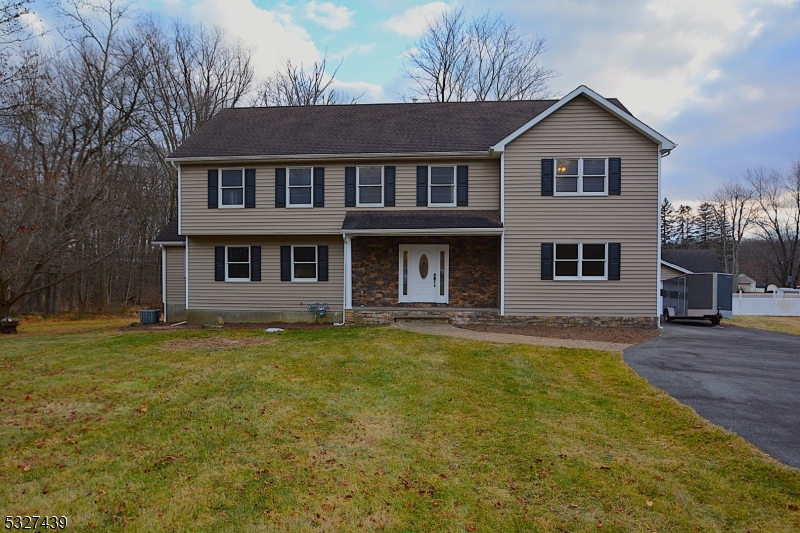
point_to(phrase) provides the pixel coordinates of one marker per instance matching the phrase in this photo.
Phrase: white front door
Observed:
(425, 269)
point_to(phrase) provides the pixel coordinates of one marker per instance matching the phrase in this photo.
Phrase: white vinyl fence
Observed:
(766, 304)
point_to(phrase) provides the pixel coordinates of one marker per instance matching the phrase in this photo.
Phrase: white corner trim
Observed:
(186, 270)
(659, 298)
(164, 281)
(178, 167)
(676, 267)
(644, 129)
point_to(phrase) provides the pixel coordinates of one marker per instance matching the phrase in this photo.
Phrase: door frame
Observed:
(433, 264)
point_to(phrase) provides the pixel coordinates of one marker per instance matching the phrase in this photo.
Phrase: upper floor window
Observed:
(580, 261)
(370, 186)
(300, 187)
(231, 190)
(576, 176)
(442, 186)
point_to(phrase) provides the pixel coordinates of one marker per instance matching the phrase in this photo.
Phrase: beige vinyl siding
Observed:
(669, 272)
(265, 218)
(581, 129)
(176, 278)
(269, 294)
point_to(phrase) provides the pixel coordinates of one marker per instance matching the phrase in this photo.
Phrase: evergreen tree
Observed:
(684, 226)
(707, 226)
(668, 224)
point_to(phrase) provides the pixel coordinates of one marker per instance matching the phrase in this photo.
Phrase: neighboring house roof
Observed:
(439, 221)
(692, 259)
(169, 235)
(744, 278)
(419, 128)
(676, 267)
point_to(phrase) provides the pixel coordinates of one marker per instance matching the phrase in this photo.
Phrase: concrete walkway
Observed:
(460, 333)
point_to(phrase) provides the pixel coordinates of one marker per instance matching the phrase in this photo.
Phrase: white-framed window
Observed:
(581, 261)
(300, 187)
(442, 186)
(581, 176)
(369, 185)
(231, 187)
(237, 263)
(304, 263)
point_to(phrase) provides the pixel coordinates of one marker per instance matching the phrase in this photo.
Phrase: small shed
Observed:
(745, 283)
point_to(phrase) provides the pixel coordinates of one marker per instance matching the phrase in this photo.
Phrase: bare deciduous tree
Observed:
(485, 58)
(778, 199)
(735, 210)
(292, 85)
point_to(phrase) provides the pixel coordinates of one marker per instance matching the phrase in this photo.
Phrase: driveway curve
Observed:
(745, 380)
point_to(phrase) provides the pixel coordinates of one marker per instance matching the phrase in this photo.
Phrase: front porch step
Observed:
(427, 319)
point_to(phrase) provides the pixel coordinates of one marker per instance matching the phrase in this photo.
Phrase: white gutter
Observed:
(170, 243)
(481, 154)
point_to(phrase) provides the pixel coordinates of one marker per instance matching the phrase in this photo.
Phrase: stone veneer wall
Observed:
(474, 271)
(367, 316)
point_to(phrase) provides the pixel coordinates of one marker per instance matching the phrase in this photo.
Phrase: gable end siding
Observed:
(581, 129)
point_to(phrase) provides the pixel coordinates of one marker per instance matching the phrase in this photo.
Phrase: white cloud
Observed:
(412, 22)
(275, 36)
(367, 93)
(329, 15)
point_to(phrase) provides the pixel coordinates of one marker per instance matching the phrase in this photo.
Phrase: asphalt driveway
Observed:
(745, 380)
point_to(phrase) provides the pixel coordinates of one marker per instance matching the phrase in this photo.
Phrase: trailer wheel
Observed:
(667, 318)
(715, 321)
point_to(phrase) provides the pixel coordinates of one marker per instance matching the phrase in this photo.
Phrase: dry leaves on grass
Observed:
(214, 343)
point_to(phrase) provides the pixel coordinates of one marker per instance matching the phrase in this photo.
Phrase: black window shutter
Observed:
(614, 255)
(615, 176)
(280, 187)
(255, 263)
(462, 189)
(213, 185)
(547, 177)
(388, 186)
(219, 263)
(322, 263)
(422, 186)
(349, 186)
(547, 260)
(319, 186)
(250, 187)
(286, 263)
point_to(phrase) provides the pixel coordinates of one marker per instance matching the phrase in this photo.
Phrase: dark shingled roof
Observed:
(170, 233)
(439, 219)
(360, 129)
(694, 260)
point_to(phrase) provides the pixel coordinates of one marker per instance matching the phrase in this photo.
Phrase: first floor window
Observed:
(237, 263)
(442, 186)
(304, 263)
(580, 261)
(300, 187)
(231, 190)
(370, 186)
(581, 176)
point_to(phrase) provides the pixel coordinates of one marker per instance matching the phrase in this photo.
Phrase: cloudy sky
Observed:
(719, 77)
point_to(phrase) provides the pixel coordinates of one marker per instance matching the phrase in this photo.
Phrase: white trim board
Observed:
(665, 144)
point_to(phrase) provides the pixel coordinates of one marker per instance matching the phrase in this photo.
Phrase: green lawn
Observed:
(783, 324)
(361, 429)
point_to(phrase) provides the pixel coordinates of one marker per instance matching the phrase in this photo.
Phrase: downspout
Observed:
(344, 285)
(659, 301)
(164, 280)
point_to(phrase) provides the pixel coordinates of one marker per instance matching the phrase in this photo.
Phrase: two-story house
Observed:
(528, 211)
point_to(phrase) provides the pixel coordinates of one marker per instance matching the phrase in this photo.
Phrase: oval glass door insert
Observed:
(423, 266)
